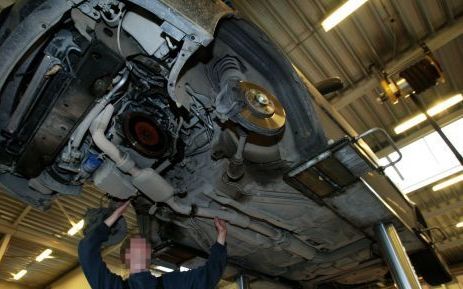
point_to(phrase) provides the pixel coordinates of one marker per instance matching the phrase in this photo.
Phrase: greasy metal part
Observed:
(197, 19)
(236, 168)
(19, 188)
(63, 104)
(309, 164)
(83, 23)
(396, 258)
(145, 135)
(415, 98)
(189, 47)
(76, 138)
(28, 32)
(259, 103)
(96, 9)
(29, 96)
(262, 109)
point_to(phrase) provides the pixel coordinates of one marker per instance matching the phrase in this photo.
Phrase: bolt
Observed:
(262, 98)
(85, 8)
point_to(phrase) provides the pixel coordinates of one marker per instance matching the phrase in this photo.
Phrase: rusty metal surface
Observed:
(197, 19)
(204, 13)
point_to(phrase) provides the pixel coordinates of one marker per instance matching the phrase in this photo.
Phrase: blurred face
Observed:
(138, 255)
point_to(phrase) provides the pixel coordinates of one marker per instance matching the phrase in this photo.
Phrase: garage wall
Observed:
(76, 279)
(73, 279)
(11, 285)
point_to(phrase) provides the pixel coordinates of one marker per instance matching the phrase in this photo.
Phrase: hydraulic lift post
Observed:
(242, 281)
(396, 258)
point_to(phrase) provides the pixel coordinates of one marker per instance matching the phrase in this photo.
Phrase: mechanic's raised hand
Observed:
(221, 228)
(117, 213)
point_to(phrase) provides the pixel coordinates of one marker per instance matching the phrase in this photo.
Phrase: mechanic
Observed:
(136, 254)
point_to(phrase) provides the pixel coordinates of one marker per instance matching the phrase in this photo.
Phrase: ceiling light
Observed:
(184, 269)
(44, 255)
(448, 183)
(459, 225)
(410, 123)
(76, 228)
(434, 110)
(341, 13)
(441, 106)
(164, 269)
(19, 275)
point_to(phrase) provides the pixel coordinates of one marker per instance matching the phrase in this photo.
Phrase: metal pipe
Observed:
(97, 129)
(396, 258)
(290, 243)
(436, 127)
(78, 134)
(242, 281)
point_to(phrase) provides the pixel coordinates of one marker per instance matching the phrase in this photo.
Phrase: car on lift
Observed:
(194, 113)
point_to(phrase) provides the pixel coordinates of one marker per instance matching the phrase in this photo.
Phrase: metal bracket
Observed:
(388, 138)
(189, 47)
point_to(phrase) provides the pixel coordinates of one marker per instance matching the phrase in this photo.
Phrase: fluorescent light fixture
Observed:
(434, 110)
(164, 269)
(341, 13)
(184, 269)
(408, 124)
(449, 102)
(44, 255)
(459, 225)
(19, 275)
(448, 183)
(76, 228)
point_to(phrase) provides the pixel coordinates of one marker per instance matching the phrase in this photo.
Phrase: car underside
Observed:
(193, 113)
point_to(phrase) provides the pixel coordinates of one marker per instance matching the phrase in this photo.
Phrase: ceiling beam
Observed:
(426, 129)
(4, 245)
(440, 210)
(46, 240)
(366, 86)
(65, 213)
(21, 216)
(449, 244)
(38, 238)
(5, 241)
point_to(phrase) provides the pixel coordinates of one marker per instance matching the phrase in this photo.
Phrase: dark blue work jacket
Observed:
(99, 276)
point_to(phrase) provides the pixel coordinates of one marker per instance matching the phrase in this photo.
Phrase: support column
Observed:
(396, 258)
(242, 281)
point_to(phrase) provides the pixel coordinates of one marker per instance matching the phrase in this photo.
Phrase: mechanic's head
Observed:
(136, 253)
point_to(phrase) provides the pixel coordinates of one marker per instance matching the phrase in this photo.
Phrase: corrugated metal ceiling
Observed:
(40, 230)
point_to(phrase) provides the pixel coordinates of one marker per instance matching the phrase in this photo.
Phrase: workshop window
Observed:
(427, 159)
